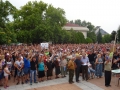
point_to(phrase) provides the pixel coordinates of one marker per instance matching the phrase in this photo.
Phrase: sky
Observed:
(104, 13)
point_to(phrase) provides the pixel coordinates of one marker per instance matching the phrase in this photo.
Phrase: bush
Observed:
(88, 40)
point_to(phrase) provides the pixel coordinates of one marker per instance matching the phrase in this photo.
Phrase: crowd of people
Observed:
(33, 63)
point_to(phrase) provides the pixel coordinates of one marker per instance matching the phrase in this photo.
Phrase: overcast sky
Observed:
(104, 13)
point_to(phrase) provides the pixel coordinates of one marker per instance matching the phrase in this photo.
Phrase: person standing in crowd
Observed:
(107, 68)
(6, 74)
(41, 69)
(115, 61)
(1, 72)
(57, 67)
(85, 61)
(19, 64)
(91, 57)
(33, 69)
(49, 65)
(26, 68)
(99, 66)
(77, 67)
(63, 64)
(71, 68)
(9, 63)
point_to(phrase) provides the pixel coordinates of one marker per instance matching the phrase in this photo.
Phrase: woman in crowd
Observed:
(57, 67)
(63, 64)
(9, 62)
(1, 72)
(33, 69)
(49, 65)
(19, 64)
(41, 69)
(6, 74)
(99, 66)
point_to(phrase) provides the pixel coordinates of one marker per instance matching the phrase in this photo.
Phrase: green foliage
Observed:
(37, 22)
(3, 38)
(118, 34)
(103, 40)
(107, 38)
(88, 40)
(92, 36)
(113, 35)
(7, 34)
(99, 37)
(6, 9)
(78, 21)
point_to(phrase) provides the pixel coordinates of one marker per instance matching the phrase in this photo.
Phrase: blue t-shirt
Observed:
(26, 63)
(41, 66)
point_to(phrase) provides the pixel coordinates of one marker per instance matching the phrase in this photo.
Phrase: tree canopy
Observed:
(37, 22)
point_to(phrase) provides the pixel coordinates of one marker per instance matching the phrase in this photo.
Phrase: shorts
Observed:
(1, 75)
(20, 73)
(26, 71)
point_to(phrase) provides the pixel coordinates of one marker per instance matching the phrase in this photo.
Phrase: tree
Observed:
(6, 9)
(88, 40)
(30, 16)
(7, 34)
(113, 35)
(107, 38)
(84, 23)
(90, 26)
(71, 21)
(103, 40)
(43, 21)
(78, 22)
(99, 37)
(92, 35)
(118, 34)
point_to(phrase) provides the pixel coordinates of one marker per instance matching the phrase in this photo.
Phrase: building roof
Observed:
(103, 32)
(75, 27)
(71, 25)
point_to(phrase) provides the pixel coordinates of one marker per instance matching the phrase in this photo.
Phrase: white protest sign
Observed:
(45, 45)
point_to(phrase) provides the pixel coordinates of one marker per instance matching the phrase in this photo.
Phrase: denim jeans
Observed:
(32, 72)
(98, 70)
(90, 70)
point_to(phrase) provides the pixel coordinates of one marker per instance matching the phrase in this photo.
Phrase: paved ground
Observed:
(100, 83)
(62, 84)
(83, 85)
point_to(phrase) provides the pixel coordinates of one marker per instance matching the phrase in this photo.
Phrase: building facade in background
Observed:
(76, 28)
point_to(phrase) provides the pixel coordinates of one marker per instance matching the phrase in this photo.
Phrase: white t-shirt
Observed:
(19, 63)
(9, 64)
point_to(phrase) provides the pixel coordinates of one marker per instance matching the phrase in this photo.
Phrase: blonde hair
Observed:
(98, 55)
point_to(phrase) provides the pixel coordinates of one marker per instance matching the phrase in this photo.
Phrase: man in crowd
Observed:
(77, 67)
(85, 61)
(71, 67)
(91, 57)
